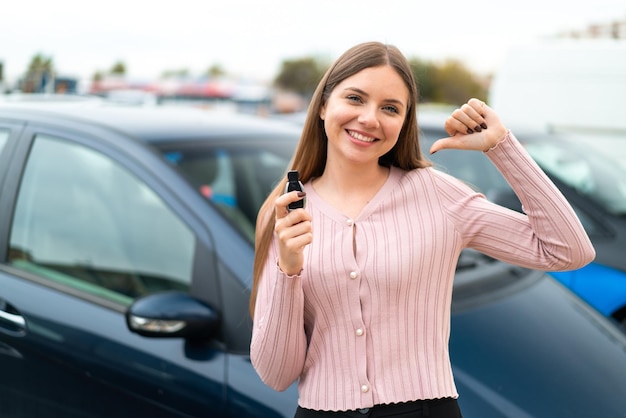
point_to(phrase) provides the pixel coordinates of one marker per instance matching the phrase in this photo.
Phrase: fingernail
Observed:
(484, 125)
(469, 131)
(301, 194)
(477, 128)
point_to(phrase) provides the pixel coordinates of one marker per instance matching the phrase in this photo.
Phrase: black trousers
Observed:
(432, 408)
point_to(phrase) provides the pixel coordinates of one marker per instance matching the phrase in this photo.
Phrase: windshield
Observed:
(236, 175)
(595, 165)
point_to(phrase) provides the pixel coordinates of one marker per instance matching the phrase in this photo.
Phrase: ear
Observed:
(323, 112)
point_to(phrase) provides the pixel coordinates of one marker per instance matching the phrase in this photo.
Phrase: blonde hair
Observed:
(310, 155)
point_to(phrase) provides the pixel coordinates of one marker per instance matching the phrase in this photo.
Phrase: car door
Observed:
(86, 230)
(235, 173)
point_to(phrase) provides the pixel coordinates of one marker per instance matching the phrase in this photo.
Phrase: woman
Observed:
(352, 293)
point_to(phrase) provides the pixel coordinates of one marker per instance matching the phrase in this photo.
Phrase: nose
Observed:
(369, 117)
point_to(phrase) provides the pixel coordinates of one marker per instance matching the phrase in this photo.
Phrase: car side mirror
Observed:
(172, 315)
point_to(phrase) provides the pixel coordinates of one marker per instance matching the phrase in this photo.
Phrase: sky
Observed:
(249, 39)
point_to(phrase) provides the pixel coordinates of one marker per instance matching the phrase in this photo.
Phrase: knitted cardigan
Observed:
(367, 321)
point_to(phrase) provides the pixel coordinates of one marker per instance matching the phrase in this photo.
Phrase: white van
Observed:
(563, 84)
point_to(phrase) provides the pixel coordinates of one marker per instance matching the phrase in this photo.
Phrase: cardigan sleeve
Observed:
(547, 236)
(278, 346)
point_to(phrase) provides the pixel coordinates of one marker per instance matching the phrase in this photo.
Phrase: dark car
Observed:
(590, 170)
(126, 247)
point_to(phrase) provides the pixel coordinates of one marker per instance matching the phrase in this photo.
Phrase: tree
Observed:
(215, 71)
(39, 63)
(118, 68)
(449, 83)
(300, 75)
(455, 84)
(39, 75)
(182, 73)
(424, 73)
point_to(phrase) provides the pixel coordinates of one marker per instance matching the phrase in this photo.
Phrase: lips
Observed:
(361, 137)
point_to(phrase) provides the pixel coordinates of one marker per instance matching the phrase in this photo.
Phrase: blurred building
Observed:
(611, 30)
(563, 83)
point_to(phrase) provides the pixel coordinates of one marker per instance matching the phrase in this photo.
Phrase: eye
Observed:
(354, 98)
(390, 108)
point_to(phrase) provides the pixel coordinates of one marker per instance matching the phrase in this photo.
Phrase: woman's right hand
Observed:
(294, 232)
(474, 126)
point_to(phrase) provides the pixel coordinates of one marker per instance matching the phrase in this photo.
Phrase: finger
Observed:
(443, 143)
(474, 112)
(295, 242)
(284, 200)
(293, 218)
(475, 141)
(466, 120)
(295, 223)
(478, 105)
(458, 123)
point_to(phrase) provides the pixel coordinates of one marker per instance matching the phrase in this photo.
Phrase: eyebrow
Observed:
(394, 101)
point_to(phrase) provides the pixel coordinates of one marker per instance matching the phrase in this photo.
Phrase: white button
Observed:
(359, 332)
(349, 222)
(354, 274)
(365, 388)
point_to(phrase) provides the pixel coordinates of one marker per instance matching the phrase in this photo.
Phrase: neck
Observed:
(349, 189)
(347, 179)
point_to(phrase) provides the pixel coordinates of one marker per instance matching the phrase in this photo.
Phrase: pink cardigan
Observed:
(368, 319)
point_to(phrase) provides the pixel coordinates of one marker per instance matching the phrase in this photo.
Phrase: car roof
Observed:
(154, 123)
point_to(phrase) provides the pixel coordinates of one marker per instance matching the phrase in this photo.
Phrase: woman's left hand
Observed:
(474, 126)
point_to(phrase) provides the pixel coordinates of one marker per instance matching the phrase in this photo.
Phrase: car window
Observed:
(237, 179)
(568, 166)
(85, 221)
(598, 175)
(474, 168)
(4, 136)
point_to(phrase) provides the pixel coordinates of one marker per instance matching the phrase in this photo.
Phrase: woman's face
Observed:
(364, 115)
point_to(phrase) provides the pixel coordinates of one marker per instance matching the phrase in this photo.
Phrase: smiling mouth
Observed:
(360, 137)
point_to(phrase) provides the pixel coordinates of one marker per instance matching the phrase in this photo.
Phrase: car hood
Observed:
(531, 348)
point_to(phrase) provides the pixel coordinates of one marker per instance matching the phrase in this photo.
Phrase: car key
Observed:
(294, 183)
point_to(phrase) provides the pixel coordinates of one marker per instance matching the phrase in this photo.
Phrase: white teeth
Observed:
(360, 137)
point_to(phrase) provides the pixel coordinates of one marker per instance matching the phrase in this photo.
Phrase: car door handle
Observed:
(16, 320)
(12, 323)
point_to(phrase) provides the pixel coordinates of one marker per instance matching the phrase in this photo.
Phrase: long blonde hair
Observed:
(310, 155)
